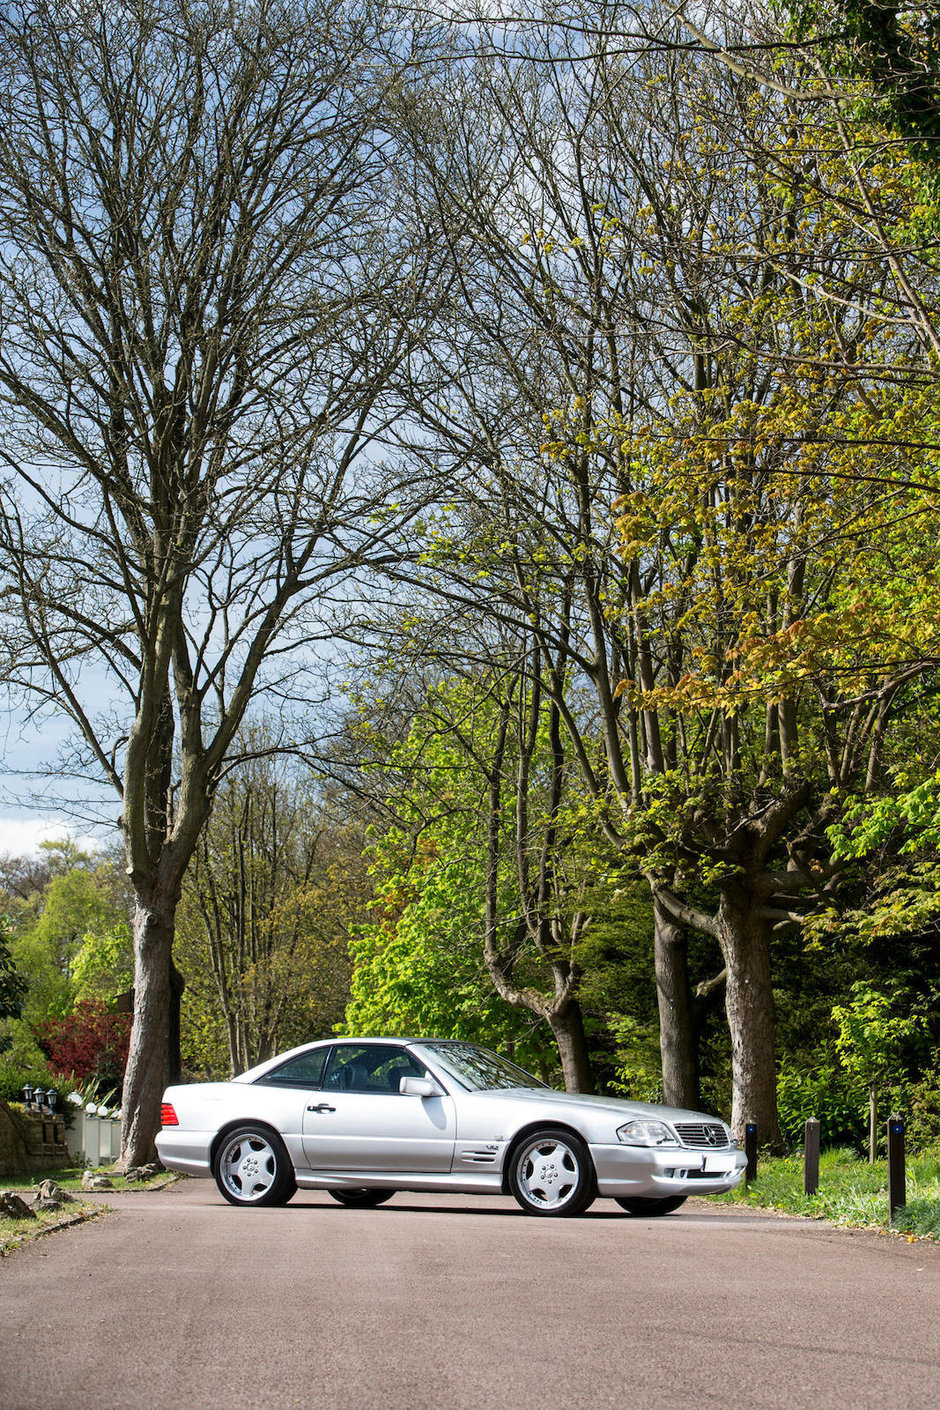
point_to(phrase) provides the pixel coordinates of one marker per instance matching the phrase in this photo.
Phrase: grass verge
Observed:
(851, 1192)
(71, 1179)
(14, 1232)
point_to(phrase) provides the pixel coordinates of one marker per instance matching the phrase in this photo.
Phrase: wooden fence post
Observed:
(897, 1196)
(811, 1157)
(750, 1149)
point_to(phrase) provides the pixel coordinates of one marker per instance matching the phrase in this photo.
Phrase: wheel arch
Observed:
(529, 1129)
(233, 1125)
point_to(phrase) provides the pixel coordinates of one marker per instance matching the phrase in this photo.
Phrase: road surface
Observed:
(176, 1299)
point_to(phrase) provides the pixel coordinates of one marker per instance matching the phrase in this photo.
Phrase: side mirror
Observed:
(419, 1087)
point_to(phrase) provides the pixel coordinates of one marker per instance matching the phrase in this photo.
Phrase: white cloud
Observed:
(20, 837)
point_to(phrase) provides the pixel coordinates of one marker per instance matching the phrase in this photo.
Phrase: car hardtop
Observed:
(270, 1064)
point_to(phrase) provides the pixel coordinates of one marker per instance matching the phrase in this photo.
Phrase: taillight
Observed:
(168, 1115)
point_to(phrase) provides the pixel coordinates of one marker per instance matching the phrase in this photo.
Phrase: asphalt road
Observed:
(445, 1303)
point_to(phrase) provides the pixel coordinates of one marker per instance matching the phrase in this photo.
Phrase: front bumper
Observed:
(653, 1172)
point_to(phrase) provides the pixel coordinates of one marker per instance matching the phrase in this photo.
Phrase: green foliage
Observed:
(637, 1071)
(426, 979)
(420, 965)
(919, 1101)
(895, 49)
(79, 916)
(619, 991)
(104, 964)
(14, 1076)
(824, 1093)
(920, 1218)
(13, 985)
(908, 816)
(872, 1035)
(417, 969)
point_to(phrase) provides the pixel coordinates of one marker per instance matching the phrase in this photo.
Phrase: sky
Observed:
(20, 837)
(35, 808)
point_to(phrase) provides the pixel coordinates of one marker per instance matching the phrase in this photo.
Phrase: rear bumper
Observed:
(639, 1170)
(187, 1151)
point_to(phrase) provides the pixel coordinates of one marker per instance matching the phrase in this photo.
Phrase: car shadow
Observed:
(478, 1211)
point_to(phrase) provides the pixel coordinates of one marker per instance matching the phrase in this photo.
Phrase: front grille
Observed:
(702, 1135)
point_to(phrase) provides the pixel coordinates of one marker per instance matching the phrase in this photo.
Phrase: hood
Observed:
(617, 1106)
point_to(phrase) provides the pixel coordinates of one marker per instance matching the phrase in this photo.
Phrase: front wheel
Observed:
(361, 1199)
(252, 1167)
(551, 1174)
(635, 1204)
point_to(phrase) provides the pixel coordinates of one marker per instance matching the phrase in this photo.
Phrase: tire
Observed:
(361, 1199)
(551, 1174)
(635, 1204)
(252, 1167)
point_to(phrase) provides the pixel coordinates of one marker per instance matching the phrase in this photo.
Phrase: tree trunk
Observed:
(231, 1032)
(143, 1077)
(744, 938)
(568, 1028)
(677, 1041)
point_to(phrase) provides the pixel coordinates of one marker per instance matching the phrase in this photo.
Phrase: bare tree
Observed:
(274, 887)
(206, 278)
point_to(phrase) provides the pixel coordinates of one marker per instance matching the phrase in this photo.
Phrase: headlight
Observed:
(647, 1133)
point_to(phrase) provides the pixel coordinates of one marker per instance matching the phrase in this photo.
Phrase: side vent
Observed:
(478, 1156)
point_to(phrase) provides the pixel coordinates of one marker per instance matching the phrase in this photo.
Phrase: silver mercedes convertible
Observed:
(364, 1118)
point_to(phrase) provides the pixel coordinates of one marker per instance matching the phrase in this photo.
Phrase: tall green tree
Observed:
(893, 48)
(486, 873)
(13, 984)
(681, 485)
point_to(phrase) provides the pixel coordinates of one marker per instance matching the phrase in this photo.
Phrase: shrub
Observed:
(922, 1111)
(13, 985)
(14, 1077)
(90, 1045)
(838, 1104)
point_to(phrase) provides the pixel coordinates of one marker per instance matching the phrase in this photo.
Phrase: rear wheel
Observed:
(635, 1204)
(552, 1174)
(361, 1199)
(252, 1167)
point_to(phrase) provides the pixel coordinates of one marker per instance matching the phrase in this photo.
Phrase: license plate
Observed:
(719, 1164)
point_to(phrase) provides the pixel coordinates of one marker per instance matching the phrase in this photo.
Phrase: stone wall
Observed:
(30, 1141)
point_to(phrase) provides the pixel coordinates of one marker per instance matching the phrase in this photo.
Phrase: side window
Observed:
(305, 1070)
(370, 1067)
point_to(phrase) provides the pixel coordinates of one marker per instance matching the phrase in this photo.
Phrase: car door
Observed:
(359, 1120)
(281, 1096)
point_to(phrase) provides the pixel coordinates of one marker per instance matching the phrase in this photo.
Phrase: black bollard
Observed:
(811, 1157)
(897, 1176)
(750, 1149)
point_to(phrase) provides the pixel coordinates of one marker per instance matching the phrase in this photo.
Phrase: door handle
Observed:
(322, 1107)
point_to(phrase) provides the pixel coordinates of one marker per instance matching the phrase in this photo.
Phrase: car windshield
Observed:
(478, 1069)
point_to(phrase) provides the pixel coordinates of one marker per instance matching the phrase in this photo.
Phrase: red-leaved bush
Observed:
(90, 1044)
